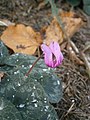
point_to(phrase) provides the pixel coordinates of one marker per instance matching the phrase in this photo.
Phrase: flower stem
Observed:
(27, 74)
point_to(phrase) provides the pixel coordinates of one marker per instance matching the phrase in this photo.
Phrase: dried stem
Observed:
(86, 63)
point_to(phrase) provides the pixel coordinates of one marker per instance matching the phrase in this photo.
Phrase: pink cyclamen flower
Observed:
(53, 56)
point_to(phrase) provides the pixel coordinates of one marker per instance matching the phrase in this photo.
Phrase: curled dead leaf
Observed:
(4, 22)
(53, 33)
(1, 75)
(71, 22)
(21, 39)
(63, 45)
(69, 14)
(71, 25)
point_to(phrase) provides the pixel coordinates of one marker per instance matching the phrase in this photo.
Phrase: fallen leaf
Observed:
(1, 75)
(4, 22)
(53, 33)
(63, 45)
(69, 14)
(21, 39)
(41, 5)
(71, 26)
(71, 22)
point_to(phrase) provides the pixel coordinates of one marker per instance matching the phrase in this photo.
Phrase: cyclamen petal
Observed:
(53, 56)
(47, 54)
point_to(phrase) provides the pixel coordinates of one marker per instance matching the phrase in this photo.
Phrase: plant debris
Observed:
(21, 39)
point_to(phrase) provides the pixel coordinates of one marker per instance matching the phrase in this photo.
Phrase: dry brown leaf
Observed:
(21, 39)
(71, 25)
(53, 33)
(63, 45)
(1, 75)
(69, 14)
(4, 22)
(41, 5)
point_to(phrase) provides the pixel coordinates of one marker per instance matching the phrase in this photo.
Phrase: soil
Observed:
(75, 104)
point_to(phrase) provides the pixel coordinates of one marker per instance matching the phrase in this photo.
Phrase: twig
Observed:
(74, 47)
(70, 109)
(86, 63)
